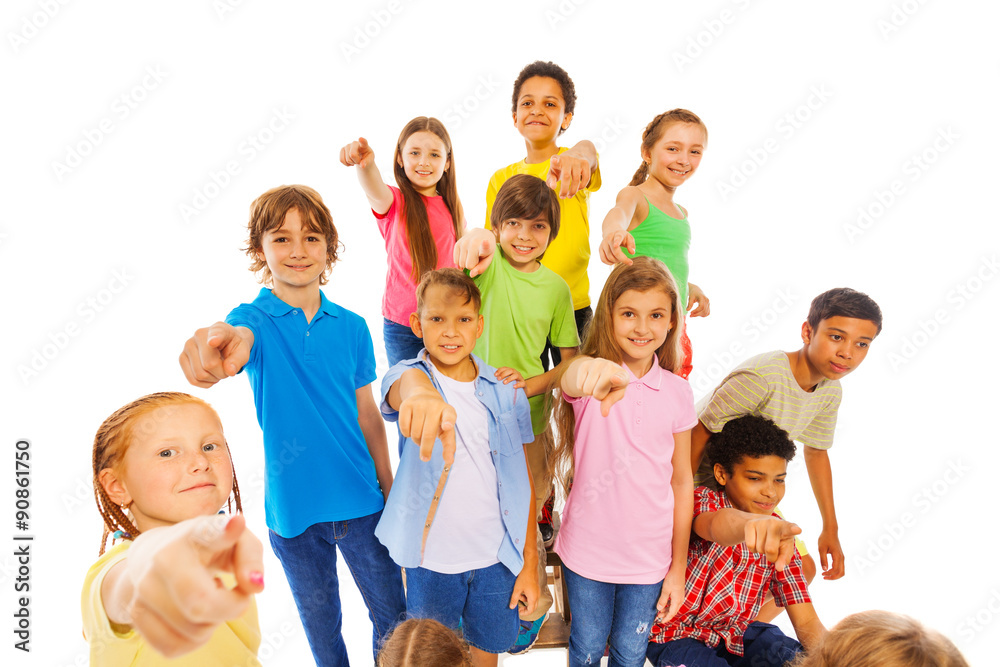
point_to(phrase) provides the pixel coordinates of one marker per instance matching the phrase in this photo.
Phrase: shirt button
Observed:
(295, 312)
(307, 333)
(517, 540)
(480, 393)
(494, 452)
(639, 402)
(427, 525)
(505, 512)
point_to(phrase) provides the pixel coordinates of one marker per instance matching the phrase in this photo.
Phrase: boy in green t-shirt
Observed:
(524, 303)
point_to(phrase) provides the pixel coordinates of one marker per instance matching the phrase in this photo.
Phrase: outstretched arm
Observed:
(821, 478)
(616, 225)
(574, 168)
(601, 378)
(424, 416)
(475, 250)
(215, 353)
(359, 154)
(768, 535)
(166, 587)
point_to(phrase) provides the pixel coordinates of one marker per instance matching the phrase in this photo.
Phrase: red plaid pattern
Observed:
(725, 587)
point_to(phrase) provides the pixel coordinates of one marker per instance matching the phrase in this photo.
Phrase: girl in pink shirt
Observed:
(420, 220)
(625, 425)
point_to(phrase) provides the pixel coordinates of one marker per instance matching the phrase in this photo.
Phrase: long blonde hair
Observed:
(882, 639)
(644, 274)
(113, 439)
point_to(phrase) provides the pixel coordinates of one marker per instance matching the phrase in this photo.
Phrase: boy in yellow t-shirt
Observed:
(542, 106)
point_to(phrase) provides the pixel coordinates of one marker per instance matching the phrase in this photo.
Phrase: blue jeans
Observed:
(764, 645)
(619, 615)
(310, 564)
(480, 598)
(400, 342)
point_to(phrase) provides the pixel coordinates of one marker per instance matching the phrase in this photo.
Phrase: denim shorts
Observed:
(480, 598)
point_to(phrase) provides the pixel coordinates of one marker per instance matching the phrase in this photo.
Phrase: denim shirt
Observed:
(409, 511)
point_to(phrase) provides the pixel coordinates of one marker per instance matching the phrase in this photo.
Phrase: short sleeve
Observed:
(595, 177)
(562, 331)
(706, 500)
(387, 220)
(364, 373)
(486, 279)
(523, 410)
(247, 315)
(491, 193)
(789, 587)
(742, 393)
(819, 433)
(686, 417)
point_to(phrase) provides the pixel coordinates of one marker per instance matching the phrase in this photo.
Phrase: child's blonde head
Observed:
(113, 439)
(882, 639)
(423, 250)
(655, 130)
(422, 642)
(452, 279)
(644, 274)
(268, 212)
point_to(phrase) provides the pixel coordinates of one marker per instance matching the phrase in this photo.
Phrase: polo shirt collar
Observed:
(275, 307)
(653, 379)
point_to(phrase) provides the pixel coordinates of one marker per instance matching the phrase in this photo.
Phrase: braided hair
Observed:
(655, 130)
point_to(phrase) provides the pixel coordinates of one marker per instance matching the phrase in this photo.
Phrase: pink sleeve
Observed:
(686, 416)
(388, 219)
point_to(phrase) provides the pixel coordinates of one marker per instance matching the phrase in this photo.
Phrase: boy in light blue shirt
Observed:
(458, 515)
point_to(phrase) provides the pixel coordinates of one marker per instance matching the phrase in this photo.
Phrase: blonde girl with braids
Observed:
(420, 220)
(623, 455)
(179, 587)
(646, 221)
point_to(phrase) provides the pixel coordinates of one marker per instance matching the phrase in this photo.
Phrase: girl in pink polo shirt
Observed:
(420, 220)
(624, 453)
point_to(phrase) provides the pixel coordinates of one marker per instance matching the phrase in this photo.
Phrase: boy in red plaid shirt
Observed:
(739, 552)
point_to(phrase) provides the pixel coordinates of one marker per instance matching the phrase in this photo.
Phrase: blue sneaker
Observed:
(527, 635)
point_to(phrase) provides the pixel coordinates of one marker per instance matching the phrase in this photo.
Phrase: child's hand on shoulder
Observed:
(474, 251)
(507, 375)
(176, 599)
(611, 247)
(357, 153)
(424, 417)
(600, 378)
(773, 537)
(215, 353)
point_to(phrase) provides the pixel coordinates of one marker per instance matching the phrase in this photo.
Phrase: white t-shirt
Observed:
(467, 530)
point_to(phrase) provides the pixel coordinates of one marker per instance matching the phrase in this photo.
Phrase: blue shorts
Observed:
(480, 598)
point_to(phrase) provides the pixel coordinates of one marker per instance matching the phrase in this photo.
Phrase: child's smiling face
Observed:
(541, 110)
(524, 241)
(838, 345)
(449, 325)
(295, 255)
(424, 159)
(676, 155)
(641, 321)
(176, 467)
(756, 485)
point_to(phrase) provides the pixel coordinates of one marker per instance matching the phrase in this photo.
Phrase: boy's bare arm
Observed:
(699, 438)
(821, 478)
(808, 628)
(215, 353)
(424, 416)
(359, 154)
(526, 586)
(768, 535)
(373, 428)
(475, 250)
(574, 168)
(547, 381)
(616, 225)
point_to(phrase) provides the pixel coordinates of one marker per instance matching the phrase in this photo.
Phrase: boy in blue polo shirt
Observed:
(310, 364)
(457, 517)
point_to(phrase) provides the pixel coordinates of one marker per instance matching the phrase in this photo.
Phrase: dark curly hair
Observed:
(844, 302)
(748, 436)
(552, 71)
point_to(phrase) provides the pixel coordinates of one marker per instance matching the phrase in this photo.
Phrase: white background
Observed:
(814, 110)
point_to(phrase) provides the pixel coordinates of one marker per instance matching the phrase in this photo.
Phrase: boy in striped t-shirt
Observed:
(800, 392)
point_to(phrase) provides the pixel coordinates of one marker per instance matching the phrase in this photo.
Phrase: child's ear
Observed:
(415, 325)
(807, 333)
(567, 119)
(720, 474)
(114, 487)
(479, 329)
